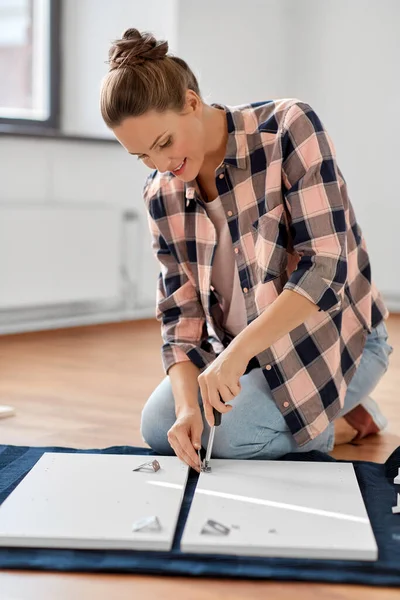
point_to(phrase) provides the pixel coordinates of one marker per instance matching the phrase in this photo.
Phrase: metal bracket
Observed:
(153, 465)
(205, 467)
(396, 509)
(214, 528)
(397, 479)
(147, 524)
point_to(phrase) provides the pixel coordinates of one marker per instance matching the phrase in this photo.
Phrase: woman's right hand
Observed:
(185, 436)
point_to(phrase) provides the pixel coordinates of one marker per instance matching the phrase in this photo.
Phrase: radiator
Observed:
(61, 263)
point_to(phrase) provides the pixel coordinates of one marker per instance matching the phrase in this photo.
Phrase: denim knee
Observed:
(377, 342)
(156, 420)
(259, 450)
(153, 434)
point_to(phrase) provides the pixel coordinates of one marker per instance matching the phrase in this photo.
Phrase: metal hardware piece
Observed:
(147, 524)
(153, 465)
(214, 528)
(200, 461)
(205, 467)
(206, 463)
(397, 479)
(217, 422)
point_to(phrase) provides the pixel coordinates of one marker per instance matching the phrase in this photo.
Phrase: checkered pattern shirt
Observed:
(294, 227)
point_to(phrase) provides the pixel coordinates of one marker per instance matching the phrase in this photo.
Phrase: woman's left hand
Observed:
(222, 377)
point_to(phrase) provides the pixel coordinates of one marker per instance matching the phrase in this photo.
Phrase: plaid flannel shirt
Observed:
(294, 227)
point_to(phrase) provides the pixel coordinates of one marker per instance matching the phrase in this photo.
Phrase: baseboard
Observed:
(69, 315)
(392, 301)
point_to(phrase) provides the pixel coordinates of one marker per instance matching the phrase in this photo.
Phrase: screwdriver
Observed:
(217, 421)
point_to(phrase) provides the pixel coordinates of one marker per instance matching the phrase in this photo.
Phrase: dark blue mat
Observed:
(377, 488)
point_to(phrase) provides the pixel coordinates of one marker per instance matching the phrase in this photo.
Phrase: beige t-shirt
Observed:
(225, 275)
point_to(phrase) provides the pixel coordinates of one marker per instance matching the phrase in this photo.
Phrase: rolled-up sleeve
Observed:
(178, 307)
(317, 206)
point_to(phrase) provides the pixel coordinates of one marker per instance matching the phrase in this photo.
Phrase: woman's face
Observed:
(167, 141)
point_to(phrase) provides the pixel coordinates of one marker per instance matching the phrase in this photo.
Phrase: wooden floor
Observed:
(85, 387)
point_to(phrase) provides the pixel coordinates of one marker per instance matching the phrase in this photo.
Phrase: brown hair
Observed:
(143, 77)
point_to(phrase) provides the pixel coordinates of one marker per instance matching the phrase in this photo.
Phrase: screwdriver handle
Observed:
(217, 414)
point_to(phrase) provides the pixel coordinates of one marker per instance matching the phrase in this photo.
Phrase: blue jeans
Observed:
(255, 428)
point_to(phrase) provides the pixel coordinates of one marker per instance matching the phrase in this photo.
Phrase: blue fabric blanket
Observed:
(377, 488)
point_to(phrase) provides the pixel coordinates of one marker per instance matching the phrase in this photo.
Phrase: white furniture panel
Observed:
(280, 509)
(93, 501)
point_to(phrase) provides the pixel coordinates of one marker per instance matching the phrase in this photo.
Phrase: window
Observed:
(29, 64)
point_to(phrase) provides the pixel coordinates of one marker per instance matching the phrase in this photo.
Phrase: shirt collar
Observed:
(237, 149)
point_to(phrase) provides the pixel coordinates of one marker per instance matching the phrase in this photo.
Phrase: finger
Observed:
(215, 400)
(196, 433)
(226, 393)
(176, 448)
(208, 411)
(188, 460)
(180, 452)
(172, 442)
(235, 387)
(203, 390)
(187, 447)
(182, 438)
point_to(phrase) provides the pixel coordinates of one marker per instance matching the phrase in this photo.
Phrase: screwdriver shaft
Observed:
(210, 444)
(217, 422)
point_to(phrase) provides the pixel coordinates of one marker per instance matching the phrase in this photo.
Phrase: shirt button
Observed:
(236, 250)
(286, 404)
(229, 213)
(221, 176)
(245, 290)
(268, 367)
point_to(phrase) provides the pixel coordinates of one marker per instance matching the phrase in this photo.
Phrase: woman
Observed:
(265, 295)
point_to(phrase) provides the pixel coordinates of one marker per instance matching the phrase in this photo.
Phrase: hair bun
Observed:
(134, 48)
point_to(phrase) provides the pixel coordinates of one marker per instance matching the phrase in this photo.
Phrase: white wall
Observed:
(35, 169)
(63, 172)
(342, 57)
(234, 54)
(353, 84)
(89, 27)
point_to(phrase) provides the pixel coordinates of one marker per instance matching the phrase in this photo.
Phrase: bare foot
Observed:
(344, 433)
